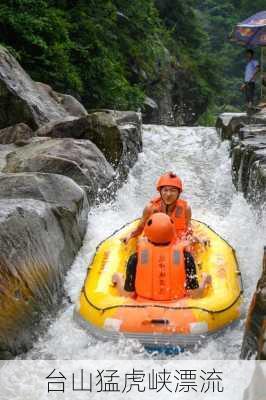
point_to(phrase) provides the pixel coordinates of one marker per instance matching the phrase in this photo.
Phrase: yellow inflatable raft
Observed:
(176, 323)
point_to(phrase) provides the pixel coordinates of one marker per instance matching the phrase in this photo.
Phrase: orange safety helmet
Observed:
(159, 228)
(169, 179)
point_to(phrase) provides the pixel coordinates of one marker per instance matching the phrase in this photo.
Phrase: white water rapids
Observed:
(203, 163)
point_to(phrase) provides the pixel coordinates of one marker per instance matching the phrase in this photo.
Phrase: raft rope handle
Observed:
(238, 272)
(161, 306)
(104, 240)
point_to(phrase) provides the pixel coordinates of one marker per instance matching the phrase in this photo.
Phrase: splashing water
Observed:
(203, 163)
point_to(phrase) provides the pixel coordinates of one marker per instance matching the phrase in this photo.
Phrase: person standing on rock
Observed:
(251, 71)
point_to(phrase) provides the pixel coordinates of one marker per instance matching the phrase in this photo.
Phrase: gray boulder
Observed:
(132, 146)
(99, 127)
(124, 117)
(248, 142)
(69, 103)
(256, 190)
(18, 134)
(5, 149)
(119, 136)
(69, 127)
(150, 110)
(72, 105)
(116, 133)
(80, 160)
(244, 155)
(254, 340)
(251, 131)
(105, 133)
(229, 124)
(33, 103)
(21, 99)
(43, 219)
(248, 150)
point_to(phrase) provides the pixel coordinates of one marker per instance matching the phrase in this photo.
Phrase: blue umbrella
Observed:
(252, 31)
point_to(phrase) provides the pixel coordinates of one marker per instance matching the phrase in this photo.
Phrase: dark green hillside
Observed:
(109, 53)
(218, 19)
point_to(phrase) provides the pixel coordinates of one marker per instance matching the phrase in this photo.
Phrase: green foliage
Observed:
(250, 8)
(218, 19)
(208, 118)
(39, 35)
(113, 46)
(107, 52)
(99, 50)
(190, 44)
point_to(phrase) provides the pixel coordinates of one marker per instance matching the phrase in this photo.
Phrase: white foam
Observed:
(202, 161)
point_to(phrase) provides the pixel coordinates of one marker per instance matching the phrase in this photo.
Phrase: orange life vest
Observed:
(160, 271)
(179, 214)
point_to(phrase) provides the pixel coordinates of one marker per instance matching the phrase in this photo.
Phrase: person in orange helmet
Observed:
(169, 186)
(162, 268)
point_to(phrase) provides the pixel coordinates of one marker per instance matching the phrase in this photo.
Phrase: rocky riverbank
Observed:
(57, 160)
(247, 134)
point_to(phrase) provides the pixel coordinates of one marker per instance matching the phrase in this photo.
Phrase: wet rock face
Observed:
(24, 102)
(174, 98)
(230, 124)
(100, 128)
(65, 128)
(150, 111)
(131, 147)
(116, 133)
(262, 342)
(118, 136)
(188, 102)
(125, 117)
(21, 100)
(254, 342)
(248, 166)
(248, 150)
(18, 134)
(72, 105)
(43, 219)
(43, 213)
(69, 103)
(34, 103)
(80, 160)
